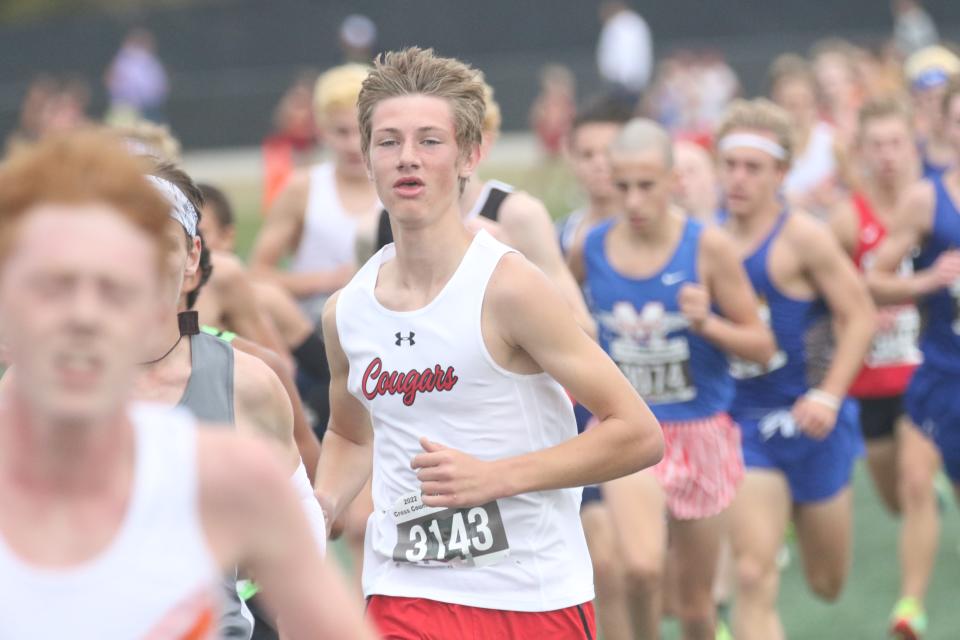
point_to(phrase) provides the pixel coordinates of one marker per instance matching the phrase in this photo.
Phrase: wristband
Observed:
(822, 397)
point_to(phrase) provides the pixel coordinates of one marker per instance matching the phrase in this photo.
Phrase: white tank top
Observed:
(428, 373)
(329, 233)
(157, 579)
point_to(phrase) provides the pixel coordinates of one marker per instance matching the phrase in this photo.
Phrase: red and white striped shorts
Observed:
(702, 466)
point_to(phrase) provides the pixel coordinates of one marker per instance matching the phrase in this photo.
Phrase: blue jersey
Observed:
(930, 169)
(940, 337)
(679, 374)
(802, 331)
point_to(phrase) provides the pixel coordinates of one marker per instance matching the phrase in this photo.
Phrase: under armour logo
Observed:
(401, 338)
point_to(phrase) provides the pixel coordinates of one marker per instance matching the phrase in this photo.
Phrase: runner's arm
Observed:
(838, 283)
(347, 455)
(279, 237)
(262, 405)
(843, 224)
(522, 304)
(307, 442)
(739, 330)
(248, 506)
(240, 308)
(912, 221)
(527, 226)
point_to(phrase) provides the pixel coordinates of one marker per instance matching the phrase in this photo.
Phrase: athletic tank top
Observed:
(487, 205)
(893, 355)
(156, 579)
(681, 375)
(930, 169)
(329, 236)
(940, 338)
(209, 396)
(567, 229)
(209, 392)
(428, 373)
(798, 327)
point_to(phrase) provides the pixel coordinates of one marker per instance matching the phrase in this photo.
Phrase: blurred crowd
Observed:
(685, 90)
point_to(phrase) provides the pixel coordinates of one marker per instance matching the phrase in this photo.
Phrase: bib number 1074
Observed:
(470, 536)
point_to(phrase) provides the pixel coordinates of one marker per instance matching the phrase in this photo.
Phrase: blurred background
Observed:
(233, 79)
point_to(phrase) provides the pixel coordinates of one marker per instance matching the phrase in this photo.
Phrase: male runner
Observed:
(651, 274)
(447, 351)
(233, 291)
(929, 218)
(800, 436)
(296, 332)
(902, 462)
(116, 520)
(317, 216)
(307, 442)
(696, 192)
(928, 71)
(208, 376)
(517, 218)
(592, 131)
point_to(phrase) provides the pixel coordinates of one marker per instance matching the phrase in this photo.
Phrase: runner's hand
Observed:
(694, 303)
(814, 418)
(946, 269)
(451, 478)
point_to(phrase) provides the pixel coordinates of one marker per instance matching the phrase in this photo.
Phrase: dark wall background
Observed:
(231, 59)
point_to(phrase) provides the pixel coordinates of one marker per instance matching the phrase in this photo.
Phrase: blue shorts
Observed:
(933, 403)
(592, 493)
(816, 470)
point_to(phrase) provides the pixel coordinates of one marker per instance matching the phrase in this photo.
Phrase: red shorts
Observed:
(421, 619)
(701, 467)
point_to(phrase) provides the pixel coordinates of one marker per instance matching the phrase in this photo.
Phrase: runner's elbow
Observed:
(646, 447)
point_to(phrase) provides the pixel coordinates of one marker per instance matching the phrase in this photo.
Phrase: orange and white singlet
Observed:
(156, 580)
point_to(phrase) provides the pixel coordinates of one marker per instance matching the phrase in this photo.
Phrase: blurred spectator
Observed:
(358, 34)
(880, 70)
(913, 28)
(625, 49)
(839, 86)
(136, 80)
(811, 178)
(929, 71)
(294, 138)
(554, 108)
(691, 91)
(67, 108)
(52, 105)
(34, 109)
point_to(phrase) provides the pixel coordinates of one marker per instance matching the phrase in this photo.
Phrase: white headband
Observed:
(752, 141)
(182, 211)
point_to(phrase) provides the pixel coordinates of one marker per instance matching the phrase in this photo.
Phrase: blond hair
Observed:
(338, 88)
(789, 66)
(414, 71)
(149, 138)
(491, 113)
(759, 114)
(884, 107)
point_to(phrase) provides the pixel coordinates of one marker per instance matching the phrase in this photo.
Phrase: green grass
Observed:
(861, 613)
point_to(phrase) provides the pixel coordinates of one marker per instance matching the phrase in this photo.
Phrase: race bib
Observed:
(439, 536)
(896, 343)
(741, 369)
(658, 370)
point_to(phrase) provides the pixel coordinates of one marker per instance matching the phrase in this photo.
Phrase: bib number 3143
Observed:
(470, 536)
